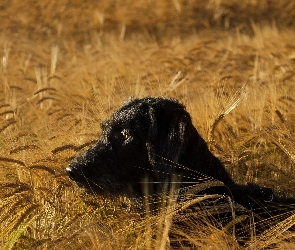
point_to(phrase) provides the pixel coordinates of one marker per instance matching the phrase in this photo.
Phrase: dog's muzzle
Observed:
(75, 173)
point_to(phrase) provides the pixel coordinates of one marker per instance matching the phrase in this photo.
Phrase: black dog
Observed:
(155, 137)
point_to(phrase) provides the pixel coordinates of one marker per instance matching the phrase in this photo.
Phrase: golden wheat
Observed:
(67, 65)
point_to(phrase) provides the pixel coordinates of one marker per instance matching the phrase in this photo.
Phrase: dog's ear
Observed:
(152, 136)
(169, 127)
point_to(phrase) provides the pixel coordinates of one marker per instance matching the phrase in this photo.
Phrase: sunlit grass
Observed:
(59, 82)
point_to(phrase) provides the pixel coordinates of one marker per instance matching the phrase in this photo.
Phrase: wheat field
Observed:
(67, 65)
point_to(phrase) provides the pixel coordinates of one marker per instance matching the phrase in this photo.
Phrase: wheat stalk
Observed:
(232, 103)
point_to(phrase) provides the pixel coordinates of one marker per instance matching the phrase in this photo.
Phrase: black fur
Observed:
(155, 137)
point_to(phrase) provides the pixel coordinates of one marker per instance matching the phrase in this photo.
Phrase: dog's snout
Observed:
(70, 172)
(74, 173)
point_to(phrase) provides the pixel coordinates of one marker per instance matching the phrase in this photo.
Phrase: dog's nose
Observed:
(74, 173)
(70, 172)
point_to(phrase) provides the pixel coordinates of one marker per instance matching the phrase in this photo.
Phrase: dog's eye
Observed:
(125, 134)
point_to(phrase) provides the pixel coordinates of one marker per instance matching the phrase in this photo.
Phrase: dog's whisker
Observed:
(179, 166)
(90, 183)
(171, 182)
(196, 178)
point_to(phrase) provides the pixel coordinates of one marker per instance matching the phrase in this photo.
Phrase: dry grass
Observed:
(66, 65)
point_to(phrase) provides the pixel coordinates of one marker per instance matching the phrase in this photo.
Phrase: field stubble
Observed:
(238, 87)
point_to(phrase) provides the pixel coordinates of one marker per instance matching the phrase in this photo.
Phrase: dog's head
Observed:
(132, 145)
